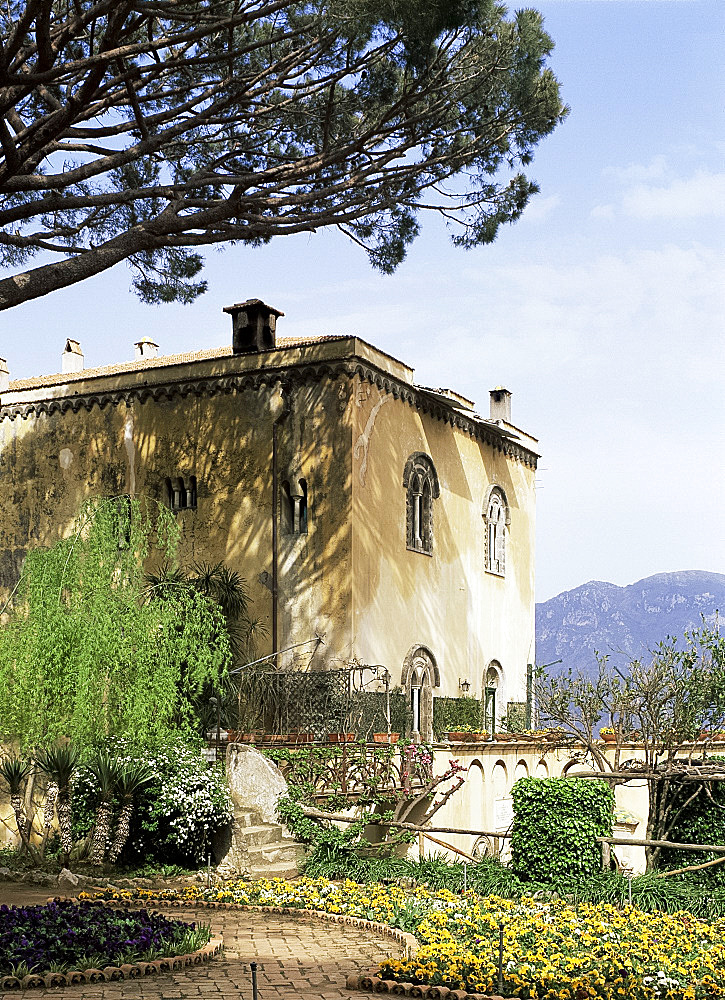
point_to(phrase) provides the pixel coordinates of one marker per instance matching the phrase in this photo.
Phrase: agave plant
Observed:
(106, 771)
(59, 765)
(133, 777)
(15, 771)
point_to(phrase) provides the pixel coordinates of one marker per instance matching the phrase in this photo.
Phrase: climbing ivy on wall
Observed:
(555, 823)
(88, 651)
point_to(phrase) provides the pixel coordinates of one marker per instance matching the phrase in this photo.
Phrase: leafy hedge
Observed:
(452, 713)
(700, 822)
(556, 821)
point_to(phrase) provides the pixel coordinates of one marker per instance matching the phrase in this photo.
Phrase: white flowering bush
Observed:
(176, 816)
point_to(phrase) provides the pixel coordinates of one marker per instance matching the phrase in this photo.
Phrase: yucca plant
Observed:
(59, 765)
(133, 777)
(106, 771)
(15, 772)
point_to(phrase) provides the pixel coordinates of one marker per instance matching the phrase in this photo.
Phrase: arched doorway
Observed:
(420, 676)
(491, 695)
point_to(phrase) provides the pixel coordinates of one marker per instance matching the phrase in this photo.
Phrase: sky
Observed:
(602, 309)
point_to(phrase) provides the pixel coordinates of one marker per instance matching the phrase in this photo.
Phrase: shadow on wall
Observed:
(225, 442)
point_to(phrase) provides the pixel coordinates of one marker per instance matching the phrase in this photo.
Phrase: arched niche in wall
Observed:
(420, 677)
(541, 770)
(521, 770)
(573, 767)
(474, 791)
(502, 806)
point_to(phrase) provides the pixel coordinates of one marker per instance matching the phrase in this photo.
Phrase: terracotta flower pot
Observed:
(386, 737)
(341, 737)
(609, 737)
(457, 736)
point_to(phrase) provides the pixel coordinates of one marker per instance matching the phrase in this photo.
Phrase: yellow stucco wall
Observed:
(354, 416)
(445, 601)
(51, 462)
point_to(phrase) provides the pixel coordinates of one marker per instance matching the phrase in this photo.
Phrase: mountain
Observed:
(625, 622)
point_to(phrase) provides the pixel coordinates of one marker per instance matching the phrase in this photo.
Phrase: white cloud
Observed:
(703, 194)
(635, 173)
(540, 208)
(602, 212)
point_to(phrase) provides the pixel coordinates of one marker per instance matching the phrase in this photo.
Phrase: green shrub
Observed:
(176, 815)
(556, 821)
(450, 714)
(702, 821)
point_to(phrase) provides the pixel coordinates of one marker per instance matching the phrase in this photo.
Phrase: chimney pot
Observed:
(144, 349)
(254, 326)
(4, 375)
(501, 404)
(72, 357)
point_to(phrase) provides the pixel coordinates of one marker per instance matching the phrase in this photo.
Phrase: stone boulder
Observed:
(255, 782)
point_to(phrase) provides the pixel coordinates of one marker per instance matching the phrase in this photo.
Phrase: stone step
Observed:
(245, 817)
(261, 833)
(281, 870)
(274, 853)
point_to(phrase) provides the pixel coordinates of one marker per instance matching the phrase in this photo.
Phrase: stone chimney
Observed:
(253, 326)
(4, 375)
(144, 349)
(72, 358)
(500, 404)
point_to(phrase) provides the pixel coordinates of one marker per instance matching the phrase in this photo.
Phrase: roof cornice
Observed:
(288, 373)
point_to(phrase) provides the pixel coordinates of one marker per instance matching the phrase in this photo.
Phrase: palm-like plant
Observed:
(133, 777)
(15, 772)
(59, 765)
(106, 771)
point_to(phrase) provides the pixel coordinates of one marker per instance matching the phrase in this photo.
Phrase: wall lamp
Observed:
(464, 685)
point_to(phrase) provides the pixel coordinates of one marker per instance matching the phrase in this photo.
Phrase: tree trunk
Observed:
(16, 804)
(122, 832)
(101, 833)
(64, 822)
(51, 797)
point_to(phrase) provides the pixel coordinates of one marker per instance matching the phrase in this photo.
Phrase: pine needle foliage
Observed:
(88, 653)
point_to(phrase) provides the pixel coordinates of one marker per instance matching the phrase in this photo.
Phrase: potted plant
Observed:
(608, 734)
(386, 737)
(467, 734)
(341, 737)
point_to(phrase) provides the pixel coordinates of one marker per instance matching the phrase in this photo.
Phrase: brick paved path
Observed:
(296, 956)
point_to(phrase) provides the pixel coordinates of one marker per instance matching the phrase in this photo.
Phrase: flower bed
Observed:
(552, 950)
(66, 935)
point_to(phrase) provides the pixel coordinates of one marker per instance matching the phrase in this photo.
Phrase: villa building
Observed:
(389, 519)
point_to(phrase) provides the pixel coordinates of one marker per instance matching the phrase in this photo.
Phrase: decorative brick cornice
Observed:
(290, 376)
(424, 403)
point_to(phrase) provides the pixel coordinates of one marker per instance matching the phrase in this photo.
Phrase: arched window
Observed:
(420, 676)
(496, 518)
(181, 493)
(421, 484)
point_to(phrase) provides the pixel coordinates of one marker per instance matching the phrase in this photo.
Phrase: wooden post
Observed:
(421, 846)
